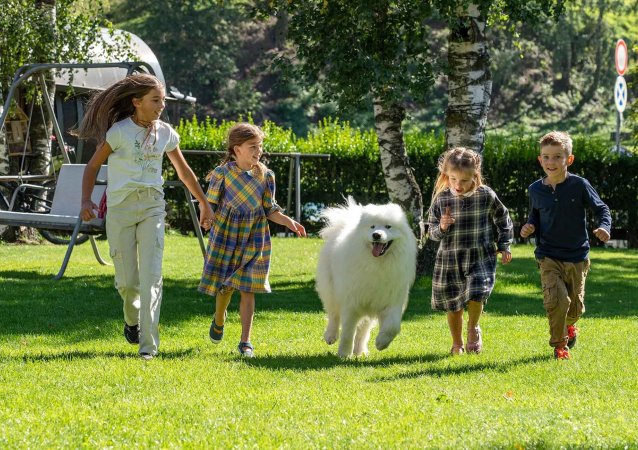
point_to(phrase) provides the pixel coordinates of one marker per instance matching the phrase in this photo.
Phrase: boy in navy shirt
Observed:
(558, 205)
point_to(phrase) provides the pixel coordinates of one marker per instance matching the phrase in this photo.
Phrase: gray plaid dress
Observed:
(465, 265)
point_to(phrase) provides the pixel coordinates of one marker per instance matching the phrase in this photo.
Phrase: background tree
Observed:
(49, 31)
(46, 31)
(560, 74)
(469, 75)
(530, 57)
(367, 52)
(199, 44)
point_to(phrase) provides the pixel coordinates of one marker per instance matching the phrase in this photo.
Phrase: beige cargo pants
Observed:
(135, 232)
(563, 295)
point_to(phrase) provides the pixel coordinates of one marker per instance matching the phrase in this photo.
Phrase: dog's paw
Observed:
(344, 355)
(330, 337)
(383, 341)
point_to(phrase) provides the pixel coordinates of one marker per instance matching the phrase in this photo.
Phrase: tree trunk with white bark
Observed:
(469, 81)
(4, 148)
(403, 188)
(42, 122)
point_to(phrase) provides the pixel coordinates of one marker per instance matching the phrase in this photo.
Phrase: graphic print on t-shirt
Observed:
(145, 152)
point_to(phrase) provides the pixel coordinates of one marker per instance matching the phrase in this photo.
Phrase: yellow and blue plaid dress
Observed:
(238, 254)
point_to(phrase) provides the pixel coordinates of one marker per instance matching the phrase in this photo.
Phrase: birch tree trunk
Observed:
(41, 131)
(42, 123)
(4, 149)
(4, 159)
(469, 81)
(399, 178)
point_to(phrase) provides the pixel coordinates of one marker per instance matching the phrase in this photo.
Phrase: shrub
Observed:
(510, 166)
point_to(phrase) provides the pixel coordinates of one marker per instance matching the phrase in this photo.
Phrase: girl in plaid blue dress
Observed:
(242, 192)
(461, 216)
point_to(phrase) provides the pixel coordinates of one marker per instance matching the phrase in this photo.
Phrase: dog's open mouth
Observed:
(379, 248)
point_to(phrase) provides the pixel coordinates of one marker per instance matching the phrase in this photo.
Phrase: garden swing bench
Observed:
(64, 212)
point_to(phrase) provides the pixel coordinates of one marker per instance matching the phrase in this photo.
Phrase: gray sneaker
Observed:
(246, 349)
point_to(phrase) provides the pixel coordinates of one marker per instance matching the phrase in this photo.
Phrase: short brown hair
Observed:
(560, 138)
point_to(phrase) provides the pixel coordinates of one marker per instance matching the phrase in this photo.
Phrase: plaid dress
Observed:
(465, 265)
(238, 253)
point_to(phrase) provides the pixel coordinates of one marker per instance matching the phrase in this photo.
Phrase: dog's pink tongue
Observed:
(377, 248)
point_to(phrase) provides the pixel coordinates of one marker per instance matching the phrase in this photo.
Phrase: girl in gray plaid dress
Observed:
(460, 217)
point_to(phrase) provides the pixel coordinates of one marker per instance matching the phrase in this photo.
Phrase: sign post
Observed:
(620, 88)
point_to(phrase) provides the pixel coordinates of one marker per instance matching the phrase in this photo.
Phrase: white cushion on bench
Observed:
(65, 208)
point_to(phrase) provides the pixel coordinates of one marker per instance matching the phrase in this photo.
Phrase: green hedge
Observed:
(510, 165)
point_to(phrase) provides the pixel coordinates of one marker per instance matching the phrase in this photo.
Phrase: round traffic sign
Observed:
(621, 57)
(620, 94)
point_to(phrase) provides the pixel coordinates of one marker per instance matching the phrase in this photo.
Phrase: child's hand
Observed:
(87, 212)
(297, 228)
(446, 219)
(205, 216)
(601, 234)
(527, 230)
(506, 256)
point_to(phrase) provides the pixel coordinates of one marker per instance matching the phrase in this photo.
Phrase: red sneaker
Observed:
(561, 353)
(572, 334)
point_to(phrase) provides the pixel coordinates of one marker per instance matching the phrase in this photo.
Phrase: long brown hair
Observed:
(113, 104)
(237, 135)
(458, 159)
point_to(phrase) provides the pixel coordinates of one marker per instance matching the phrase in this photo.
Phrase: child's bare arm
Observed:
(282, 219)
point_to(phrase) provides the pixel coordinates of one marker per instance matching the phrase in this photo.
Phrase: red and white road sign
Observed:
(621, 57)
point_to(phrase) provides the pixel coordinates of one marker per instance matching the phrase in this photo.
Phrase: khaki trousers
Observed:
(135, 232)
(563, 295)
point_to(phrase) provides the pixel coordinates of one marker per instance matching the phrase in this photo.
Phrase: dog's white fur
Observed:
(356, 287)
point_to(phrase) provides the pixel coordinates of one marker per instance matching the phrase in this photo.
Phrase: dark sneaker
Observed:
(561, 353)
(132, 333)
(572, 334)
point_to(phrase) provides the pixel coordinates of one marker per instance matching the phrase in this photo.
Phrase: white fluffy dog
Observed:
(365, 271)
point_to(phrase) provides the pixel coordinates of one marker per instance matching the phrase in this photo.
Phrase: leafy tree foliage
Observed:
(198, 44)
(27, 35)
(560, 74)
(544, 71)
(355, 48)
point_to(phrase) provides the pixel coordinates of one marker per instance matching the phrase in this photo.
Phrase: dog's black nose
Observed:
(376, 236)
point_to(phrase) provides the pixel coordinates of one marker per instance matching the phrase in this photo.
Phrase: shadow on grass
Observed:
(471, 366)
(84, 355)
(330, 360)
(34, 303)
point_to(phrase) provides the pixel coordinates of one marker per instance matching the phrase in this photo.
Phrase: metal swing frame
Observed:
(75, 226)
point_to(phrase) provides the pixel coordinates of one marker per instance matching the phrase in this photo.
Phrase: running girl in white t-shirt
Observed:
(124, 119)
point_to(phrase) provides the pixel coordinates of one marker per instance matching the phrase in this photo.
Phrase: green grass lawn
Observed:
(68, 379)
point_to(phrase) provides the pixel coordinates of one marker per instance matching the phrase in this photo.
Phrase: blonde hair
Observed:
(458, 159)
(237, 135)
(560, 138)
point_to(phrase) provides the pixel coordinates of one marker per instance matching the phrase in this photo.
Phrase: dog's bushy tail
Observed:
(338, 218)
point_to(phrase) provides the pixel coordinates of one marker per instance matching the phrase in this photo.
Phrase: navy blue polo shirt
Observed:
(559, 216)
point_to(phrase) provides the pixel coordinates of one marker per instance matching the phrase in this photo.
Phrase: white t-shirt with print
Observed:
(136, 161)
